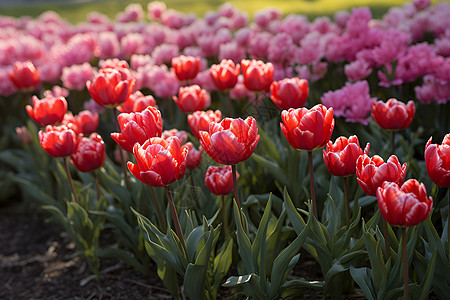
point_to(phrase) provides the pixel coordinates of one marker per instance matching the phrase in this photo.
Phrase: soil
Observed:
(38, 261)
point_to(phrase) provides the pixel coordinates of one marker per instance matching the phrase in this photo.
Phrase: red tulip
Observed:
(137, 102)
(48, 111)
(219, 180)
(308, 129)
(200, 120)
(192, 98)
(24, 76)
(372, 172)
(231, 141)
(89, 153)
(87, 122)
(58, 141)
(138, 127)
(393, 114)
(159, 161)
(258, 76)
(186, 67)
(111, 87)
(180, 134)
(289, 93)
(404, 206)
(437, 161)
(225, 74)
(194, 157)
(340, 157)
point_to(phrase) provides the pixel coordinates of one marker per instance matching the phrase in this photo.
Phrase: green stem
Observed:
(194, 193)
(405, 266)
(393, 142)
(161, 220)
(176, 222)
(311, 184)
(122, 156)
(224, 216)
(69, 178)
(387, 245)
(347, 204)
(97, 185)
(236, 193)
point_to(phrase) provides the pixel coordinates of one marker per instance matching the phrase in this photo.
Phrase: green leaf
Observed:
(424, 288)
(272, 167)
(245, 248)
(280, 266)
(363, 278)
(123, 256)
(251, 281)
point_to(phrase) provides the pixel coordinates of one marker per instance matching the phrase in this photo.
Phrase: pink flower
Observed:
(133, 13)
(164, 53)
(232, 51)
(137, 102)
(132, 43)
(265, 16)
(353, 102)
(76, 76)
(281, 49)
(200, 120)
(358, 70)
(108, 45)
(163, 82)
(180, 134)
(156, 10)
(194, 157)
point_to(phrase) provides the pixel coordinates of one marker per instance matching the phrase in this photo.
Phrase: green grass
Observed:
(77, 12)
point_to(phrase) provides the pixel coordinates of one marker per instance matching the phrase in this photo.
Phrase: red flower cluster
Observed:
(192, 98)
(24, 76)
(219, 180)
(89, 153)
(47, 111)
(289, 93)
(200, 120)
(393, 114)
(225, 74)
(186, 67)
(437, 161)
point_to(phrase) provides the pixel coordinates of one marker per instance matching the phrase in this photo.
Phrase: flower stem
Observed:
(387, 245)
(69, 178)
(161, 219)
(405, 266)
(122, 157)
(194, 193)
(448, 226)
(224, 216)
(236, 194)
(393, 143)
(176, 222)
(311, 183)
(347, 204)
(97, 185)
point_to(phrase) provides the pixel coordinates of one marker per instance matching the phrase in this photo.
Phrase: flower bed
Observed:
(215, 146)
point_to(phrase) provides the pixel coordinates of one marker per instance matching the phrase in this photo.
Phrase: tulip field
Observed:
(230, 156)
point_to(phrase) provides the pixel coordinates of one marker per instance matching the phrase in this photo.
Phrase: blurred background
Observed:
(76, 10)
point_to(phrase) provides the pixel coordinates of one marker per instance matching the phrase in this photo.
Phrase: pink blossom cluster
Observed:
(353, 102)
(392, 48)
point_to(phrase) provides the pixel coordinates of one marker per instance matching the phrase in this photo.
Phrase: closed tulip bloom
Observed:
(231, 141)
(258, 76)
(138, 127)
(194, 157)
(24, 76)
(87, 122)
(186, 67)
(219, 180)
(225, 74)
(137, 102)
(24, 135)
(89, 153)
(437, 161)
(159, 161)
(308, 129)
(372, 172)
(289, 93)
(58, 141)
(192, 98)
(394, 114)
(200, 120)
(47, 111)
(340, 157)
(111, 87)
(404, 206)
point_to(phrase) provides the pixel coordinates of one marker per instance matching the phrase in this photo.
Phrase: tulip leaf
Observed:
(251, 281)
(297, 221)
(424, 288)
(245, 247)
(271, 166)
(363, 278)
(124, 256)
(281, 265)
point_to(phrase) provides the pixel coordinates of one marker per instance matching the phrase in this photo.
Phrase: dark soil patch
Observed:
(37, 262)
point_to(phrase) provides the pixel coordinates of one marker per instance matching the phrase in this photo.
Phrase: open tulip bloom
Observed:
(308, 129)
(404, 206)
(230, 142)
